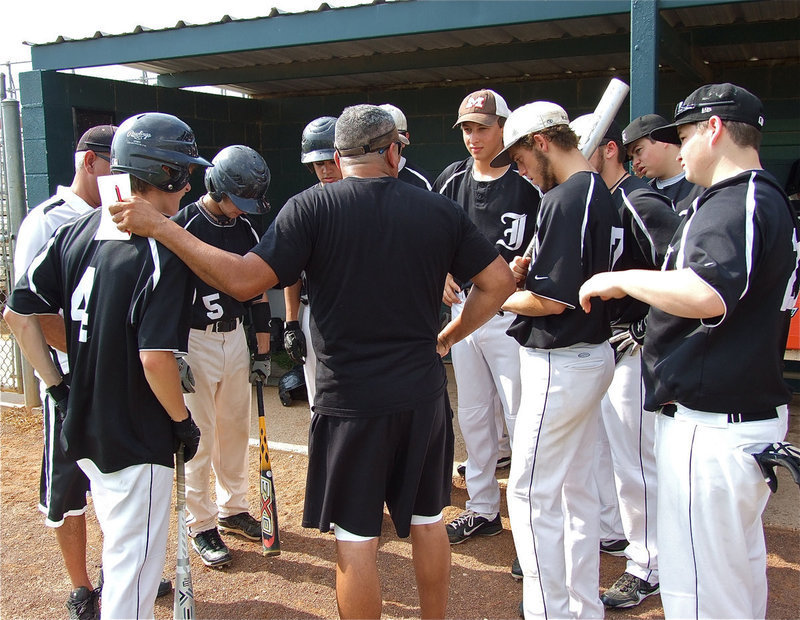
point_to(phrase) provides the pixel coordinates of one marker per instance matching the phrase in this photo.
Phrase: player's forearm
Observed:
(161, 372)
(54, 332)
(291, 299)
(30, 338)
(526, 303)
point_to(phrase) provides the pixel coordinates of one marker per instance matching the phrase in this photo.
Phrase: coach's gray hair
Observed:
(358, 125)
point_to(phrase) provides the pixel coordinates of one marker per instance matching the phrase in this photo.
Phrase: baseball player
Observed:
(648, 223)
(382, 428)
(316, 152)
(219, 357)
(733, 265)
(502, 204)
(566, 365)
(410, 173)
(125, 306)
(658, 161)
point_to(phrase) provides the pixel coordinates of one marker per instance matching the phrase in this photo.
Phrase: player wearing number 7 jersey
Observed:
(126, 309)
(219, 357)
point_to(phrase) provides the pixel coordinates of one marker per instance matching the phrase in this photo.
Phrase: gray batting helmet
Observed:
(240, 173)
(316, 143)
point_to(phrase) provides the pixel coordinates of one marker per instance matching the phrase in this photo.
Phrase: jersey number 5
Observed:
(79, 303)
(215, 311)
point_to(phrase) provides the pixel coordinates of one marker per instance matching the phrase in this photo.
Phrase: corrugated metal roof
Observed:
(594, 44)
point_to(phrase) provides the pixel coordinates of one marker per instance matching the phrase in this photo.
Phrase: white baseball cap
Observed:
(397, 114)
(530, 118)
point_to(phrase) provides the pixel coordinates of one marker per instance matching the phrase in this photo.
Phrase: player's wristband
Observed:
(260, 314)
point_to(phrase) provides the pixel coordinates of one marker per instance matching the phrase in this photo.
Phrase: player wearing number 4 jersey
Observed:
(125, 305)
(219, 356)
(732, 268)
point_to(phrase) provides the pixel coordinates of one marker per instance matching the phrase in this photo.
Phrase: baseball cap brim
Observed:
(667, 133)
(476, 117)
(503, 158)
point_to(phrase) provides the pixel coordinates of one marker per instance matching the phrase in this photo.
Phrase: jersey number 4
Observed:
(79, 303)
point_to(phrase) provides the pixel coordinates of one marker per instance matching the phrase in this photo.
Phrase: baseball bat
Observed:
(183, 605)
(606, 110)
(270, 540)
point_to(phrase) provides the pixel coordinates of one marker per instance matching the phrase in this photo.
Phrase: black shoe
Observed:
(242, 524)
(628, 591)
(164, 588)
(614, 547)
(470, 523)
(516, 569)
(211, 549)
(84, 604)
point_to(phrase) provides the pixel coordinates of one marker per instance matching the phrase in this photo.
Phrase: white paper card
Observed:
(113, 188)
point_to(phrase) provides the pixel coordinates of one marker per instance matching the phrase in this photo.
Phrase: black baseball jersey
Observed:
(648, 225)
(503, 209)
(577, 235)
(237, 236)
(376, 252)
(740, 238)
(681, 193)
(118, 298)
(411, 173)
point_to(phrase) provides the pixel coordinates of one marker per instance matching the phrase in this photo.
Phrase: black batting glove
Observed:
(186, 432)
(60, 395)
(260, 367)
(294, 341)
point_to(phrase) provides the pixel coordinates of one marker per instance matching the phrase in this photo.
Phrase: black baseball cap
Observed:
(727, 101)
(641, 127)
(97, 139)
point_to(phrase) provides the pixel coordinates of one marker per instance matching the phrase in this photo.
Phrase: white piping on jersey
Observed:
(421, 178)
(750, 213)
(585, 223)
(38, 260)
(450, 179)
(156, 261)
(640, 223)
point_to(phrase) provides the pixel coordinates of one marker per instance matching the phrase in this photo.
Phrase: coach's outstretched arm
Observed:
(490, 288)
(242, 277)
(681, 293)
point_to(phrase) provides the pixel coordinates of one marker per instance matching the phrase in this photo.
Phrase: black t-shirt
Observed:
(237, 236)
(118, 298)
(649, 224)
(376, 252)
(503, 209)
(740, 239)
(577, 235)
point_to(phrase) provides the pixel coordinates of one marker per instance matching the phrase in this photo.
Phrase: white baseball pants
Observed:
(220, 407)
(310, 367)
(610, 522)
(486, 368)
(133, 507)
(711, 495)
(552, 498)
(631, 436)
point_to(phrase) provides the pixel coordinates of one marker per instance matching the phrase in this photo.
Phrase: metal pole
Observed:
(644, 57)
(15, 177)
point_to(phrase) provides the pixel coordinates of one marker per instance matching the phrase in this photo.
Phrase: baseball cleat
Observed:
(516, 570)
(242, 524)
(84, 604)
(469, 524)
(614, 547)
(211, 549)
(628, 591)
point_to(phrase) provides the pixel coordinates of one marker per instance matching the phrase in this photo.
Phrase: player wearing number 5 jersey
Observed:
(126, 309)
(219, 357)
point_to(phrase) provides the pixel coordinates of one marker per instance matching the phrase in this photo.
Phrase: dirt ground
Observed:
(300, 582)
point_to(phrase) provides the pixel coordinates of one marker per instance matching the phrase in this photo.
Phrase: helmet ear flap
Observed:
(215, 195)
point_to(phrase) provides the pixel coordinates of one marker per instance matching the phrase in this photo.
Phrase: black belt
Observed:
(733, 418)
(227, 325)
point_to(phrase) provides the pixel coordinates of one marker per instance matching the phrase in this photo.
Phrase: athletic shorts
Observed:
(355, 465)
(63, 485)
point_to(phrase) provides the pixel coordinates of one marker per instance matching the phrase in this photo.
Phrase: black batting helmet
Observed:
(242, 174)
(317, 141)
(146, 144)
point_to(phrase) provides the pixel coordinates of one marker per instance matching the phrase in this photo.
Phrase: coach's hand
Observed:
(186, 432)
(187, 376)
(60, 395)
(451, 291)
(260, 367)
(294, 341)
(136, 215)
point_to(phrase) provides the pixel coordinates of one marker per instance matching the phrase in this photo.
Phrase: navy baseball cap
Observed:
(97, 139)
(641, 127)
(727, 101)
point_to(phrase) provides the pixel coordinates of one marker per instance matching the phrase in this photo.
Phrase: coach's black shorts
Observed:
(63, 485)
(404, 459)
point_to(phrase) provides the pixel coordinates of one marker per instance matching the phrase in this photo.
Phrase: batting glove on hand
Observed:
(294, 341)
(187, 377)
(260, 368)
(186, 432)
(60, 395)
(630, 340)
